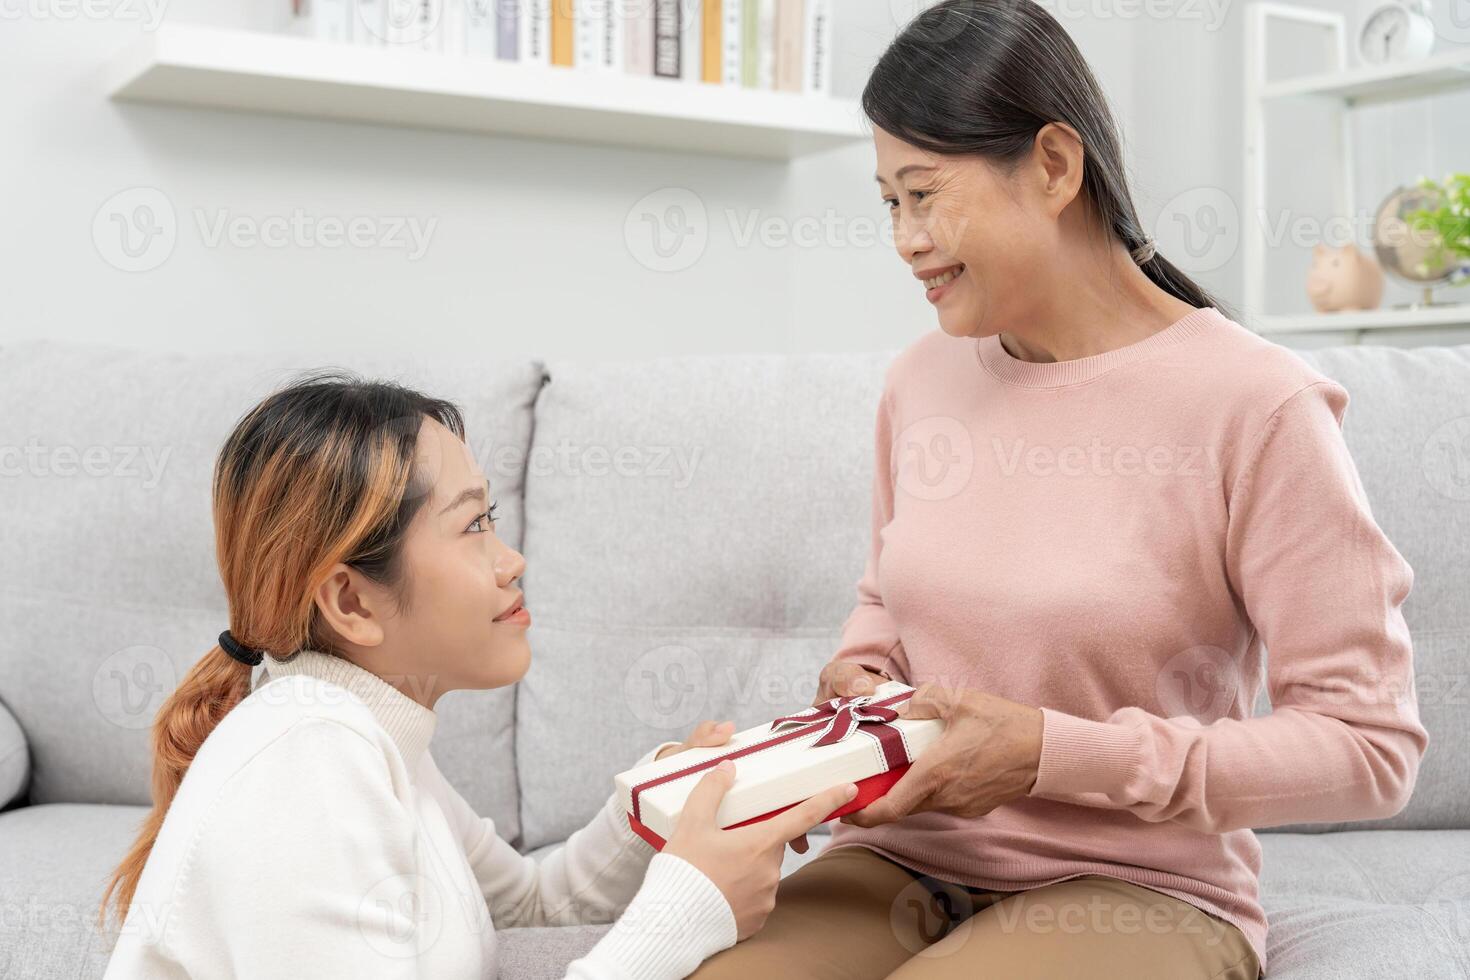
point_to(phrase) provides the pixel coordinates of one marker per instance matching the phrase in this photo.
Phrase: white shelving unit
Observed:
(1339, 91)
(242, 70)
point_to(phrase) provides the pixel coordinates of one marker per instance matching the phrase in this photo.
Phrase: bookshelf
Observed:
(204, 67)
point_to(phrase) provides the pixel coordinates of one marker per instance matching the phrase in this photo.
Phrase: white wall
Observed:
(527, 252)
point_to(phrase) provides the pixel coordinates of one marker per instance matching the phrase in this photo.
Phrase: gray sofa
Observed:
(693, 529)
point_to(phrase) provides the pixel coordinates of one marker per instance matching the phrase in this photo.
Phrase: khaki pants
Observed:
(853, 914)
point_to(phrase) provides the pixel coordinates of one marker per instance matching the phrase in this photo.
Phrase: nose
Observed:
(910, 240)
(509, 566)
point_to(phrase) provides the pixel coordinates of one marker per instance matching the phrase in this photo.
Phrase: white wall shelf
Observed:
(1341, 91)
(241, 70)
(1437, 75)
(1422, 318)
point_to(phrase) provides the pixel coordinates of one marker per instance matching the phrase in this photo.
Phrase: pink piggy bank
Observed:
(1343, 279)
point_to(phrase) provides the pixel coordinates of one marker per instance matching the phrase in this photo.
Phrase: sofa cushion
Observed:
(1378, 903)
(15, 759)
(695, 528)
(111, 592)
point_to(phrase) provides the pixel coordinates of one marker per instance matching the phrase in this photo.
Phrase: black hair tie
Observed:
(242, 653)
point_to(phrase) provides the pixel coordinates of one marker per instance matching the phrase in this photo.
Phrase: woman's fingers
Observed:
(807, 814)
(708, 733)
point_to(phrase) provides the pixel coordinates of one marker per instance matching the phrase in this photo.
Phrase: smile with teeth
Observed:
(943, 278)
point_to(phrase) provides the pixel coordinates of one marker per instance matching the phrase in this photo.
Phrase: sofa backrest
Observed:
(109, 589)
(694, 531)
(708, 574)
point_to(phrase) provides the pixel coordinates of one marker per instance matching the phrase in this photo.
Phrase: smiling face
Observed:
(460, 624)
(975, 238)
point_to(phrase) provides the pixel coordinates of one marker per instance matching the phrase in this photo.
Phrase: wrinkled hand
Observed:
(845, 679)
(705, 734)
(745, 862)
(987, 756)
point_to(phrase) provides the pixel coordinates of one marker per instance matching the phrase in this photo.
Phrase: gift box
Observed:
(856, 739)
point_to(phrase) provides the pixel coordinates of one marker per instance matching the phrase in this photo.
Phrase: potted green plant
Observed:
(1448, 224)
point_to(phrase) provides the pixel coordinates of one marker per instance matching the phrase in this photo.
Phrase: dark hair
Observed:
(982, 77)
(319, 473)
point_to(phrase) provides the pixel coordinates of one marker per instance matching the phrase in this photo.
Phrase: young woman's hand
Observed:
(706, 733)
(745, 862)
(987, 756)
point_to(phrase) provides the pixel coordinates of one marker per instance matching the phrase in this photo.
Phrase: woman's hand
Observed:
(987, 756)
(706, 733)
(843, 679)
(745, 862)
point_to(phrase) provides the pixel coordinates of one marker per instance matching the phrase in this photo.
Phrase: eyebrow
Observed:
(473, 493)
(905, 169)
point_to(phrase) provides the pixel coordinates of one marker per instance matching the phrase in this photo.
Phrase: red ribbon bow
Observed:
(844, 716)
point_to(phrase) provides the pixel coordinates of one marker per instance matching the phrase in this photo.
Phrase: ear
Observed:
(352, 605)
(1058, 156)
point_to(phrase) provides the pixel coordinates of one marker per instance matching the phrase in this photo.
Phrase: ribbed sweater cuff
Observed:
(678, 919)
(1083, 756)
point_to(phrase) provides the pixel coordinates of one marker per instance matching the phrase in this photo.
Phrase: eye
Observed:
(488, 515)
(917, 193)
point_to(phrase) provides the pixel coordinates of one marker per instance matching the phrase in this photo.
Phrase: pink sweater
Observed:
(1117, 539)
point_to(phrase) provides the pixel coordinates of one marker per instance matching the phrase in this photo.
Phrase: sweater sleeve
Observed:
(1323, 588)
(339, 896)
(668, 916)
(869, 635)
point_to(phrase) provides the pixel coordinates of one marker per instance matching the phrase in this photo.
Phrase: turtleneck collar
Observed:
(1058, 374)
(408, 723)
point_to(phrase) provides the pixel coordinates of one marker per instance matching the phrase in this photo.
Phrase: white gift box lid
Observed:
(771, 778)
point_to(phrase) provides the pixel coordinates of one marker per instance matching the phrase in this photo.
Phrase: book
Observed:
(563, 33)
(710, 52)
(732, 33)
(508, 16)
(638, 36)
(667, 45)
(750, 12)
(691, 40)
(599, 32)
(534, 34)
(790, 32)
(481, 28)
(817, 50)
(322, 20)
(765, 53)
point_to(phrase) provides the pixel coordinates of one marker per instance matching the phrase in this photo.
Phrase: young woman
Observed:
(302, 829)
(1098, 500)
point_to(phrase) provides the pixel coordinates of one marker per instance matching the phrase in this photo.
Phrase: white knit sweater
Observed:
(313, 836)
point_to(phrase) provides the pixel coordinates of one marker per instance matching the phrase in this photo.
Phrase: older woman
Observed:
(1098, 499)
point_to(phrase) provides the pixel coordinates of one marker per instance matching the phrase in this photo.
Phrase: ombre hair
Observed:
(319, 473)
